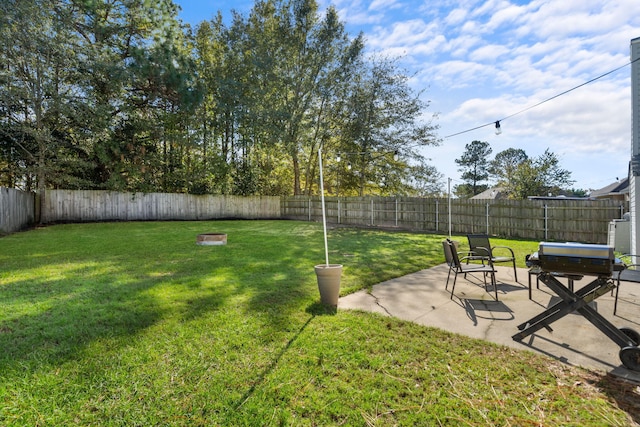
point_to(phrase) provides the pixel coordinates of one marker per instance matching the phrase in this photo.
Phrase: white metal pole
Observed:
(449, 190)
(324, 215)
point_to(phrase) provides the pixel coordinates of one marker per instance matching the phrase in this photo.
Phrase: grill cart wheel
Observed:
(630, 357)
(631, 333)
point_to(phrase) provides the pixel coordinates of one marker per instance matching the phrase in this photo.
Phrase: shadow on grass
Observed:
(117, 280)
(625, 393)
(70, 318)
(319, 309)
(82, 290)
(272, 366)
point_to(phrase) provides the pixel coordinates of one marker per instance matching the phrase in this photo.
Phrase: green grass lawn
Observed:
(129, 324)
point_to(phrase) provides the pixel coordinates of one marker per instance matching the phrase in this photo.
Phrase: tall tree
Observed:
(220, 78)
(540, 176)
(38, 98)
(474, 165)
(82, 86)
(384, 127)
(313, 53)
(504, 166)
(137, 84)
(425, 181)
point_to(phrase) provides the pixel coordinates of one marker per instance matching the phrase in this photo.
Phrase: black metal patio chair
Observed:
(480, 247)
(631, 273)
(458, 265)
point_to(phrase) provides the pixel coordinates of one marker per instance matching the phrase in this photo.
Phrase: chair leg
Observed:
(615, 301)
(495, 284)
(515, 271)
(454, 285)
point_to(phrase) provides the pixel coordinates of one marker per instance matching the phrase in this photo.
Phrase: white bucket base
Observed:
(329, 283)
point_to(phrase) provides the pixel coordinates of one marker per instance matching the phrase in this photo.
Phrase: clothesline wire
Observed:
(546, 100)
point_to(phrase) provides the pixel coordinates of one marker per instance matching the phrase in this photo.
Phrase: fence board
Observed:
(95, 205)
(17, 210)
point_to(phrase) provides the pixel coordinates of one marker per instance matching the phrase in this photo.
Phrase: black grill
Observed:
(576, 258)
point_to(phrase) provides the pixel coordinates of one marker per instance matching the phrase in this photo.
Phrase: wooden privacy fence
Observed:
(94, 205)
(559, 220)
(17, 210)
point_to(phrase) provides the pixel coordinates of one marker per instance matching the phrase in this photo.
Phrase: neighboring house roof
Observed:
(560, 197)
(491, 193)
(616, 188)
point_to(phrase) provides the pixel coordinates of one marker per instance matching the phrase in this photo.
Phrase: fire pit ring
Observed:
(211, 239)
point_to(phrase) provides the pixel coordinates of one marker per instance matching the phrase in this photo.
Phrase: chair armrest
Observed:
(472, 256)
(628, 256)
(628, 275)
(505, 247)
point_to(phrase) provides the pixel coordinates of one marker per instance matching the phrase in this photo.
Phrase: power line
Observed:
(542, 102)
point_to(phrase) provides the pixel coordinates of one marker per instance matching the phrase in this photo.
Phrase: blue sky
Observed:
(479, 61)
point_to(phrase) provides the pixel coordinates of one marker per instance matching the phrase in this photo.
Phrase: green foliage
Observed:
(425, 181)
(504, 166)
(120, 95)
(578, 192)
(474, 165)
(516, 173)
(382, 118)
(134, 324)
(36, 89)
(540, 176)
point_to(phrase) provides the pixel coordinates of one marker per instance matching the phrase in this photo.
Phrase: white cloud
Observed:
(384, 5)
(455, 17)
(488, 53)
(487, 59)
(407, 33)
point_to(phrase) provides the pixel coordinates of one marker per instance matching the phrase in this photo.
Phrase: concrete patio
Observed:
(421, 298)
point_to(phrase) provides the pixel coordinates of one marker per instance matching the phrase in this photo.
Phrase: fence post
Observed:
(339, 211)
(487, 219)
(396, 211)
(371, 211)
(546, 223)
(309, 209)
(437, 216)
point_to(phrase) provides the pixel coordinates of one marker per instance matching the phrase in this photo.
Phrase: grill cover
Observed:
(576, 258)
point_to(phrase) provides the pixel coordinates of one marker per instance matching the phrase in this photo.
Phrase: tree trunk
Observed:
(296, 174)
